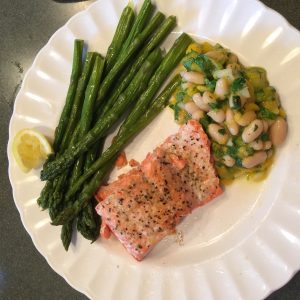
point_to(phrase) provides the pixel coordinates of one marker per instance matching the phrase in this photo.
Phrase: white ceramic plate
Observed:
(243, 245)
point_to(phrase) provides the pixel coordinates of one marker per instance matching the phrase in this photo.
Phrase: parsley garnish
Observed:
(238, 84)
(265, 113)
(222, 131)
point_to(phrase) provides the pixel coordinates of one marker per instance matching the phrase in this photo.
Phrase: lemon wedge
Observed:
(30, 149)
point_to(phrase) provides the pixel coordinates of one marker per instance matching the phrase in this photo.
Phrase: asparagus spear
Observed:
(43, 200)
(127, 55)
(76, 108)
(121, 33)
(159, 35)
(125, 135)
(135, 88)
(85, 124)
(95, 182)
(76, 71)
(169, 63)
(139, 23)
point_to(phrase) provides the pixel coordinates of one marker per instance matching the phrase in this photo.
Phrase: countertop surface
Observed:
(25, 27)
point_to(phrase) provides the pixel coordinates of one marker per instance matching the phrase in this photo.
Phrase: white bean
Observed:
(216, 55)
(217, 134)
(234, 67)
(267, 145)
(257, 145)
(208, 97)
(246, 118)
(232, 58)
(195, 77)
(252, 131)
(278, 131)
(198, 114)
(217, 115)
(222, 88)
(191, 107)
(266, 125)
(198, 99)
(228, 161)
(232, 126)
(254, 160)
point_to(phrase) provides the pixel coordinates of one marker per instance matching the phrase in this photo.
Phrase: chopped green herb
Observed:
(211, 84)
(232, 151)
(265, 113)
(176, 109)
(222, 131)
(180, 96)
(255, 127)
(188, 64)
(205, 122)
(264, 137)
(217, 150)
(238, 84)
(250, 150)
(205, 64)
(239, 162)
(218, 104)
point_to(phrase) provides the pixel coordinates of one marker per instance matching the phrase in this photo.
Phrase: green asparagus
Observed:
(139, 23)
(121, 33)
(125, 135)
(127, 55)
(76, 71)
(90, 188)
(160, 34)
(136, 87)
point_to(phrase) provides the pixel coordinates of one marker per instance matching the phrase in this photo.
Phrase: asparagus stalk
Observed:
(121, 33)
(85, 124)
(135, 88)
(76, 71)
(91, 187)
(127, 55)
(139, 23)
(125, 135)
(160, 34)
(76, 108)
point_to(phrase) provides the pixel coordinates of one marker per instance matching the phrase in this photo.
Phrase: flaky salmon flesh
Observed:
(144, 205)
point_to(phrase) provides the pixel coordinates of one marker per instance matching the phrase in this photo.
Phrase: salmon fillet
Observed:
(144, 205)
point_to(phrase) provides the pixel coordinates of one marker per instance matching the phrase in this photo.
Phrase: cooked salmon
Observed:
(145, 204)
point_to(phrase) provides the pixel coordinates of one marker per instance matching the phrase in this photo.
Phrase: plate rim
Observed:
(9, 154)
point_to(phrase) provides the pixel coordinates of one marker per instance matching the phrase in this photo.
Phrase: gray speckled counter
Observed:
(25, 26)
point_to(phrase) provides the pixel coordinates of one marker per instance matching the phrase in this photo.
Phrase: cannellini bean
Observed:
(222, 88)
(257, 145)
(191, 107)
(208, 97)
(228, 161)
(198, 99)
(232, 126)
(216, 55)
(278, 131)
(267, 145)
(270, 153)
(254, 160)
(234, 67)
(266, 125)
(218, 133)
(198, 114)
(217, 115)
(232, 58)
(246, 118)
(195, 77)
(252, 131)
